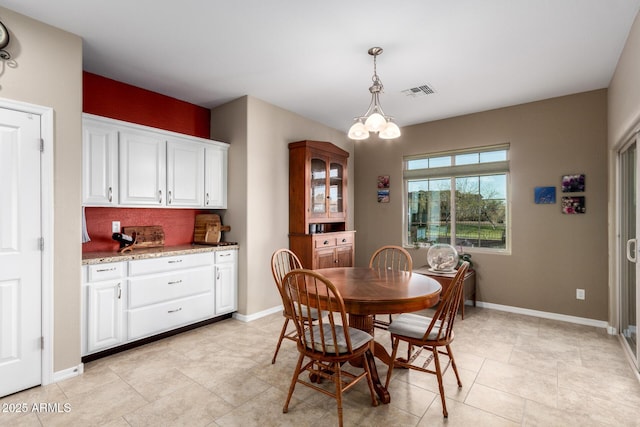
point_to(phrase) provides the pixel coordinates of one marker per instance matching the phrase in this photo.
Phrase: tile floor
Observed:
(515, 369)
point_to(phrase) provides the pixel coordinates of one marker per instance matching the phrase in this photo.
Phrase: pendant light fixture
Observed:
(374, 120)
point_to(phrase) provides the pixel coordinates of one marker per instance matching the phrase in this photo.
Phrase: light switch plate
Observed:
(115, 226)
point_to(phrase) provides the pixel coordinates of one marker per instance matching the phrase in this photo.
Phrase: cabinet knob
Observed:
(326, 242)
(344, 240)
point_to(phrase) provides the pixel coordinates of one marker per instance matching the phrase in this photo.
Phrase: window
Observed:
(460, 198)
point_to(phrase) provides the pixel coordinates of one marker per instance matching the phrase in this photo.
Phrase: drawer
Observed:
(156, 288)
(226, 256)
(169, 263)
(158, 318)
(324, 241)
(344, 239)
(100, 272)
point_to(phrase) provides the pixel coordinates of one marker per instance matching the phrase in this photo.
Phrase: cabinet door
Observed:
(336, 189)
(215, 184)
(99, 164)
(318, 183)
(142, 169)
(324, 258)
(104, 322)
(185, 174)
(226, 285)
(344, 256)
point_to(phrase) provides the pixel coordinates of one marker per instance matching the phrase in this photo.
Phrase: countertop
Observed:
(104, 257)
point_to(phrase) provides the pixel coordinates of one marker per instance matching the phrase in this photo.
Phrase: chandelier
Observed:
(374, 120)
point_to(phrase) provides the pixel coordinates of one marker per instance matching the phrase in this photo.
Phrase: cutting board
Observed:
(208, 229)
(148, 236)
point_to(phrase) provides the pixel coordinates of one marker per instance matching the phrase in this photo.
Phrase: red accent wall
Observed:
(110, 98)
(117, 100)
(176, 223)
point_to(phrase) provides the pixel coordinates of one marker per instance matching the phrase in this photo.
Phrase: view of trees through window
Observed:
(467, 211)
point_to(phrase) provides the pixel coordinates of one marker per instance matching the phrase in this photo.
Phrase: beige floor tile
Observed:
(520, 381)
(497, 402)
(461, 415)
(192, 406)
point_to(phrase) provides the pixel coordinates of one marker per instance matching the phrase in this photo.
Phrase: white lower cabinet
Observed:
(226, 282)
(127, 301)
(103, 296)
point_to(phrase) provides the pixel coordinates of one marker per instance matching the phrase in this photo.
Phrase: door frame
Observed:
(46, 215)
(629, 137)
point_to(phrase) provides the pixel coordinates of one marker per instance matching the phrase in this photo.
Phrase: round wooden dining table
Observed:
(368, 291)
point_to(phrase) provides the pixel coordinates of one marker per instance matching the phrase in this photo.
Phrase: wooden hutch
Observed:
(318, 205)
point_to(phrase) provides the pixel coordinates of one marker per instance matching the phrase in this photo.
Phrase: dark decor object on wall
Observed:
(544, 195)
(573, 183)
(573, 205)
(4, 41)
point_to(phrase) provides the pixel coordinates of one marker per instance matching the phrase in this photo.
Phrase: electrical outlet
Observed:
(579, 293)
(115, 226)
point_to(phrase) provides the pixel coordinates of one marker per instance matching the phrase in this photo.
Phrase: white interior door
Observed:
(629, 285)
(20, 252)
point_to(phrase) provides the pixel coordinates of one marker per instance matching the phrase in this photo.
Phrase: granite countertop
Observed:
(108, 256)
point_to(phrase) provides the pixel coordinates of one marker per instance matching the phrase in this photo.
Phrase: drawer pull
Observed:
(175, 282)
(174, 261)
(102, 270)
(221, 255)
(326, 242)
(344, 240)
(175, 311)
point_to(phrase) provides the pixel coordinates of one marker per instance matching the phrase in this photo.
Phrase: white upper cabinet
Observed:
(143, 173)
(99, 164)
(215, 178)
(185, 173)
(125, 164)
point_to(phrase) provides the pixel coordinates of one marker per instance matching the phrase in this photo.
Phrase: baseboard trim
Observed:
(258, 315)
(547, 315)
(65, 374)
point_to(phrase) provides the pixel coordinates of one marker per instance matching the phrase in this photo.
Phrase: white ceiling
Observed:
(311, 57)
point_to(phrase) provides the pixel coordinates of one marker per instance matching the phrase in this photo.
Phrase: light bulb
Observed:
(375, 122)
(390, 131)
(358, 131)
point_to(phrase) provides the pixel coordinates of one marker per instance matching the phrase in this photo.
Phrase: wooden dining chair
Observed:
(329, 342)
(390, 258)
(282, 262)
(434, 334)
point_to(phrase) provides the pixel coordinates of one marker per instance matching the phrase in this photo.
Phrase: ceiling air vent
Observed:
(418, 91)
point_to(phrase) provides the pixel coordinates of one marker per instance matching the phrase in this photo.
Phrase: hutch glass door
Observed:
(318, 187)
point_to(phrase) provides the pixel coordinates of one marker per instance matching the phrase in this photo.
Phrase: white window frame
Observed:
(455, 171)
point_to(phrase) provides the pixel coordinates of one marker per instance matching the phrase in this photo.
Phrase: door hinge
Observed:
(42, 243)
(42, 343)
(41, 145)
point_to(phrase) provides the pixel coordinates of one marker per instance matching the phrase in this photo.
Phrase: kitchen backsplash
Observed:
(176, 223)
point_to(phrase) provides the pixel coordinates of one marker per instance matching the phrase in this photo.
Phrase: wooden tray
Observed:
(208, 229)
(149, 236)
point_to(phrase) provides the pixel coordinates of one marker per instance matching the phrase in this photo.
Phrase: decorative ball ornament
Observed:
(442, 257)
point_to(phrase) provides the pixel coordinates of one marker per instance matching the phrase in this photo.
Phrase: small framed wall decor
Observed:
(573, 205)
(544, 195)
(573, 183)
(383, 188)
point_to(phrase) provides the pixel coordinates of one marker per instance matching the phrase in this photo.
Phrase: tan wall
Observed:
(624, 118)
(552, 254)
(259, 187)
(48, 72)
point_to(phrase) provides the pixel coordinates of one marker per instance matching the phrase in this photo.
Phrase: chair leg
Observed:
(282, 332)
(294, 381)
(453, 365)
(394, 353)
(337, 378)
(436, 359)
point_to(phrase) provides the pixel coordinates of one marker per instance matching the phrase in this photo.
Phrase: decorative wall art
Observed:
(573, 205)
(383, 196)
(544, 195)
(573, 183)
(383, 188)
